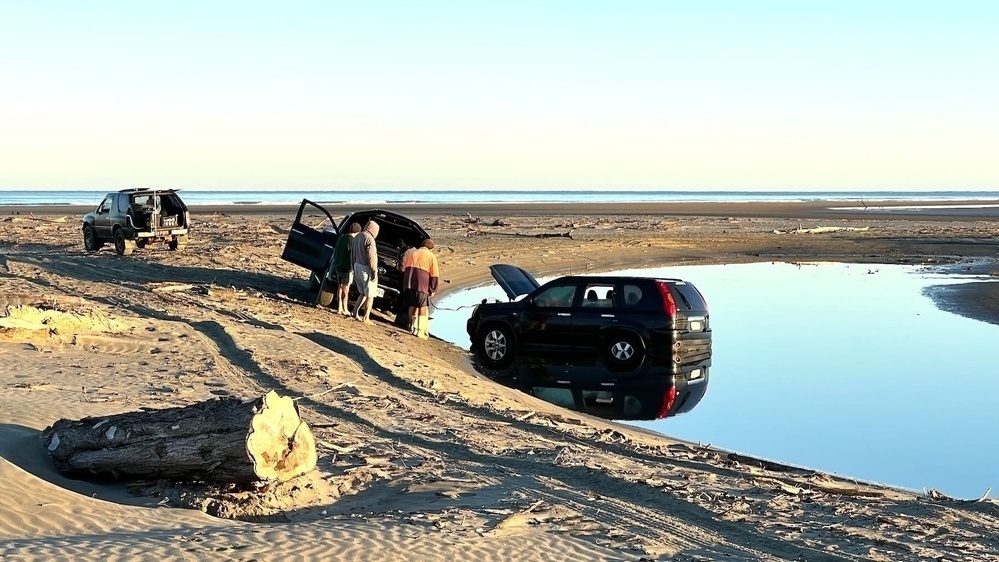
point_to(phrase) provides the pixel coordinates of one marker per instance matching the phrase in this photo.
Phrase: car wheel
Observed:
(624, 351)
(90, 242)
(327, 293)
(140, 243)
(314, 281)
(178, 243)
(496, 347)
(122, 245)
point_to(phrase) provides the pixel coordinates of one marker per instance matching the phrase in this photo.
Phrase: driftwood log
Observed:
(220, 440)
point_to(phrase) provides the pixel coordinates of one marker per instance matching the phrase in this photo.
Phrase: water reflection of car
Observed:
(622, 336)
(649, 394)
(311, 243)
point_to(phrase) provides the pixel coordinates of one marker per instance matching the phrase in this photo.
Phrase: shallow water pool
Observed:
(846, 368)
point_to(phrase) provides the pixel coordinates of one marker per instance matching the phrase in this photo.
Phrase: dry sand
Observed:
(420, 457)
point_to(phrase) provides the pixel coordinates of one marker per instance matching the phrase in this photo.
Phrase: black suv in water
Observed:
(313, 237)
(598, 332)
(132, 218)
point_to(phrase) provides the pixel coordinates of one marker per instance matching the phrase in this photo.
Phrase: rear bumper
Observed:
(162, 233)
(690, 389)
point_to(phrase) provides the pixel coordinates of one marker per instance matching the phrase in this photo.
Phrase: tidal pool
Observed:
(845, 368)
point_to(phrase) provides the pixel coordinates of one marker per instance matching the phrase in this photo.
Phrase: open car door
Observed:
(307, 246)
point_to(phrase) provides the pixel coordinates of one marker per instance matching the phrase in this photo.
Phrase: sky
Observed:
(664, 94)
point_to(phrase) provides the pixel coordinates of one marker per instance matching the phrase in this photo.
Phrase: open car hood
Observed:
(515, 281)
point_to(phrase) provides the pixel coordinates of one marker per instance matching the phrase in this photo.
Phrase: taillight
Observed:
(669, 305)
(669, 397)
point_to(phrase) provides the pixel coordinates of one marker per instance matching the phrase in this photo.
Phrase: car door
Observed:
(546, 325)
(307, 245)
(593, 312)
(102, 218)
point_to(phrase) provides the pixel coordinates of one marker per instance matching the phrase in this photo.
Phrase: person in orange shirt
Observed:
(421, 273)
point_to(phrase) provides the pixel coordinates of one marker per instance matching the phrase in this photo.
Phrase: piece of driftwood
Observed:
(555, 235)
(219, 440)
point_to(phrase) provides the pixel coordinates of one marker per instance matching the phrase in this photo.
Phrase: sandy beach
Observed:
(422, 458)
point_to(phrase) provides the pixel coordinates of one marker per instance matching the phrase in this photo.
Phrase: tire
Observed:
(313, 281)
(327, 294)
(624, 351)
(122, 245)
(90, 241)
(496, 348)
(140, 243)
(178, 243)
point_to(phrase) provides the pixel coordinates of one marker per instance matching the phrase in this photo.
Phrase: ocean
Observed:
(470, 197)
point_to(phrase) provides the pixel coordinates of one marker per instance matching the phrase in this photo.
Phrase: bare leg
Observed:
(368, 304)
(412, 319)
(342, 300)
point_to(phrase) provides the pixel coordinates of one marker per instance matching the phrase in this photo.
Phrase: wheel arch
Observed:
(610, 333)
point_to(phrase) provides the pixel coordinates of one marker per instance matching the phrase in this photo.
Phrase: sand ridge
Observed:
(421, 458)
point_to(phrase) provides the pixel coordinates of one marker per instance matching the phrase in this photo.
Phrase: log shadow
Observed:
(21, 446)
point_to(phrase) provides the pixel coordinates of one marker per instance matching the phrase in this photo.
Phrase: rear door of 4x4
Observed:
(308, 246)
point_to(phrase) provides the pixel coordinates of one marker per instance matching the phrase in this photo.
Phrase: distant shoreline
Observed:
(827, 209)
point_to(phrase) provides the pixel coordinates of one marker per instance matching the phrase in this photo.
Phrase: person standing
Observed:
(402, 317)
(420, 278)
(364, 253)
(343, 266)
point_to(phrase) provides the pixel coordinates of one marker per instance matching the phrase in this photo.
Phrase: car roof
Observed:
(516, 282)
(616, 278)
(147, 190)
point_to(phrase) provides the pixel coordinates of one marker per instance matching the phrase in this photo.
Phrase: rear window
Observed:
(690, 297)
(631, 296)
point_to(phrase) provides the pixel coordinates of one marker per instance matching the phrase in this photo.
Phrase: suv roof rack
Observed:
(146, 190)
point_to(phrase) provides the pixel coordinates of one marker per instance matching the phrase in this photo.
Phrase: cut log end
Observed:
(279, 444)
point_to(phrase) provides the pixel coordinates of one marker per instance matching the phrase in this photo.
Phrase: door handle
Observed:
(607, 316)
(564, 314)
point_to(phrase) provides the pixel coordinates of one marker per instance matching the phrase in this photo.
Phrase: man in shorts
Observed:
(343, 266)
(364, 253)
(421, 274)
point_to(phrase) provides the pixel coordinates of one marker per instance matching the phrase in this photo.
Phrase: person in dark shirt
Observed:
(343, 266)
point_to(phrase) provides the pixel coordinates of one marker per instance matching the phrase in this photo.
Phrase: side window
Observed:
(105, 206)
(631, 296)
(597, 295)
(122, 203)
(555, 297)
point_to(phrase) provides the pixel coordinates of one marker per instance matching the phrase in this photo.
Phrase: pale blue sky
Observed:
(663, 94)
